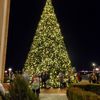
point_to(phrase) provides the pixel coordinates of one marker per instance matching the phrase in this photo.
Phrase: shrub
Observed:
(89, 87)
(0, 98)
(75, 93)
(19, 90)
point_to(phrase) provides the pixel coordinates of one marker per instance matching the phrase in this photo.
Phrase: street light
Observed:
(9, 69)
(93, 64)
(97, 69)
(5, 71)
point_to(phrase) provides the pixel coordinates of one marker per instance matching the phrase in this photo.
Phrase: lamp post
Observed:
(10, 69)
(5, 71)
(94, 64)
(97, 69)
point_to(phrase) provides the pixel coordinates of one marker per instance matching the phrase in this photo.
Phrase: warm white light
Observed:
(10, 69)
(5, 71)
(93, 64)
(97, 69)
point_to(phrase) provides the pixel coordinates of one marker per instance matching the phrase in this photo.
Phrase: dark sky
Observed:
(79, 21)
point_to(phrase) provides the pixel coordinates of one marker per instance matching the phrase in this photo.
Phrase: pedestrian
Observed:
(90, 78)
(94, 78)
(36, 85)
(97, 75)
(43, 78)
(26, 77)
(79, 76)
(61, 79)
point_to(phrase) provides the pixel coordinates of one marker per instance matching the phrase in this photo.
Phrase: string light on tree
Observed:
(48, 51)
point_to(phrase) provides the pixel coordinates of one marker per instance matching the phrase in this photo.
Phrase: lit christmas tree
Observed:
(48, 51)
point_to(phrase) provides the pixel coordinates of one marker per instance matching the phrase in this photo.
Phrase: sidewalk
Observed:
(45, 96)
(53, 94)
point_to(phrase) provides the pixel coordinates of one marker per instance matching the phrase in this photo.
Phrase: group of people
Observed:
(41, 80)
(94, 77)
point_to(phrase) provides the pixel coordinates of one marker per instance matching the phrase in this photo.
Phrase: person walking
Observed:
(43, 78)
(94, 78)
(61, 79)
(36, 85)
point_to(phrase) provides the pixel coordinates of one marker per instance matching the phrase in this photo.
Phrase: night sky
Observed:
(79, 21)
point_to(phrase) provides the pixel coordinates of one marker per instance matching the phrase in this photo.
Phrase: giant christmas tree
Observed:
(48, 51)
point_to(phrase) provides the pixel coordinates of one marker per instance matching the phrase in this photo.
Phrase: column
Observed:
(4, 20)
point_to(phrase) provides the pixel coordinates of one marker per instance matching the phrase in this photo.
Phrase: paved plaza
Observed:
(45, 96)
(53, 94)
